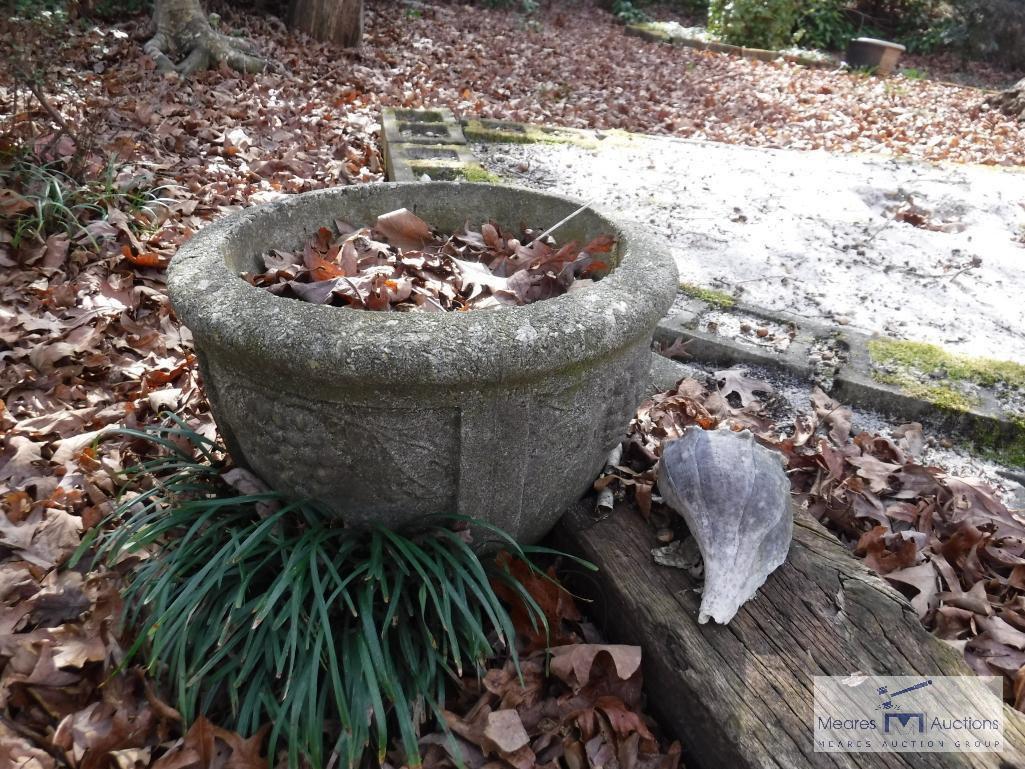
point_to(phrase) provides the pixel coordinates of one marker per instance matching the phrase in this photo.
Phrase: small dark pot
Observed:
(881, 56)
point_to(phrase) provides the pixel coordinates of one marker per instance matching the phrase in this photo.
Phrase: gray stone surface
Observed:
(665, 373)
(427, 145)
(811, 233)
(503, 414)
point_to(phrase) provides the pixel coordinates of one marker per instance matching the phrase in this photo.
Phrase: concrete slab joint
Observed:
(428, 145)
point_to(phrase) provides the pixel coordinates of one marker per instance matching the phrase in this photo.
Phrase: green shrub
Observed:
(258, 610)
(825, 24)
(32, 9)
(993, 30)
(627, 12)
(921, 25)
(753, 23)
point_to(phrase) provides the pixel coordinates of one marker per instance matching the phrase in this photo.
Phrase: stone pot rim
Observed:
(880, 43)
(499, 345)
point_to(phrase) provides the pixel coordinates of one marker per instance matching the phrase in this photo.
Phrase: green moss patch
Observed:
(927, 358)
(944, 379)
(497, 136)
(717, 298)
(1005, 447)
(943, 396)
(453, 172)
(476, 173)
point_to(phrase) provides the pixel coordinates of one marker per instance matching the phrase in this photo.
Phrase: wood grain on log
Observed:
(739, 696)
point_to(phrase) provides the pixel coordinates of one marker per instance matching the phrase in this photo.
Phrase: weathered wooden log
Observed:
(739, 696)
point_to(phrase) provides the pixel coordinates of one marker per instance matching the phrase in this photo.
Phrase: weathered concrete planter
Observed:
(502, 414)
(879, 55)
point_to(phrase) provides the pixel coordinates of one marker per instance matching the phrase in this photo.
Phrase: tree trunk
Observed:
(996, 32)
(183, 30)
(1012, 101)
(332, 21)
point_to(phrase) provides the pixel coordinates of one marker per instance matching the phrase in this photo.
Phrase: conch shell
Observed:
(735, 498)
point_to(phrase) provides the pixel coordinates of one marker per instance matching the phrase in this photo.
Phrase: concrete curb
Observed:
(660, 36)
(508, 132)
(851, 378)
(419, 143)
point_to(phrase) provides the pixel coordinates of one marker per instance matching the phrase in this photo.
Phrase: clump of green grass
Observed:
(52, 201)
(913, 73)
(260, 610)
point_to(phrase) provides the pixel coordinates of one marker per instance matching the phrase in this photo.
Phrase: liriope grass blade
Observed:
(340, 637)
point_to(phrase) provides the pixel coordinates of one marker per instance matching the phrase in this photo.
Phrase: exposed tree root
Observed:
(1011, 102)
(183, 29)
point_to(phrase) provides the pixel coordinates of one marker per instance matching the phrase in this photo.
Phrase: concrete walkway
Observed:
(907, 249)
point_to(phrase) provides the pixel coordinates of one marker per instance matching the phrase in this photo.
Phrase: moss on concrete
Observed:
(912, 366)
(927, 358)
(477, 131)
(498, 136)
(718, 298)
(943, 396)
(1005, 447)
(476, 173)
(453, 172)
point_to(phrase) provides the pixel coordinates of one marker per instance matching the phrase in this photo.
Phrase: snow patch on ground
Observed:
(831, 238)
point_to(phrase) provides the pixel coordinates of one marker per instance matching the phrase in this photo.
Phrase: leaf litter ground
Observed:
(89, 339)
(950, 544)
